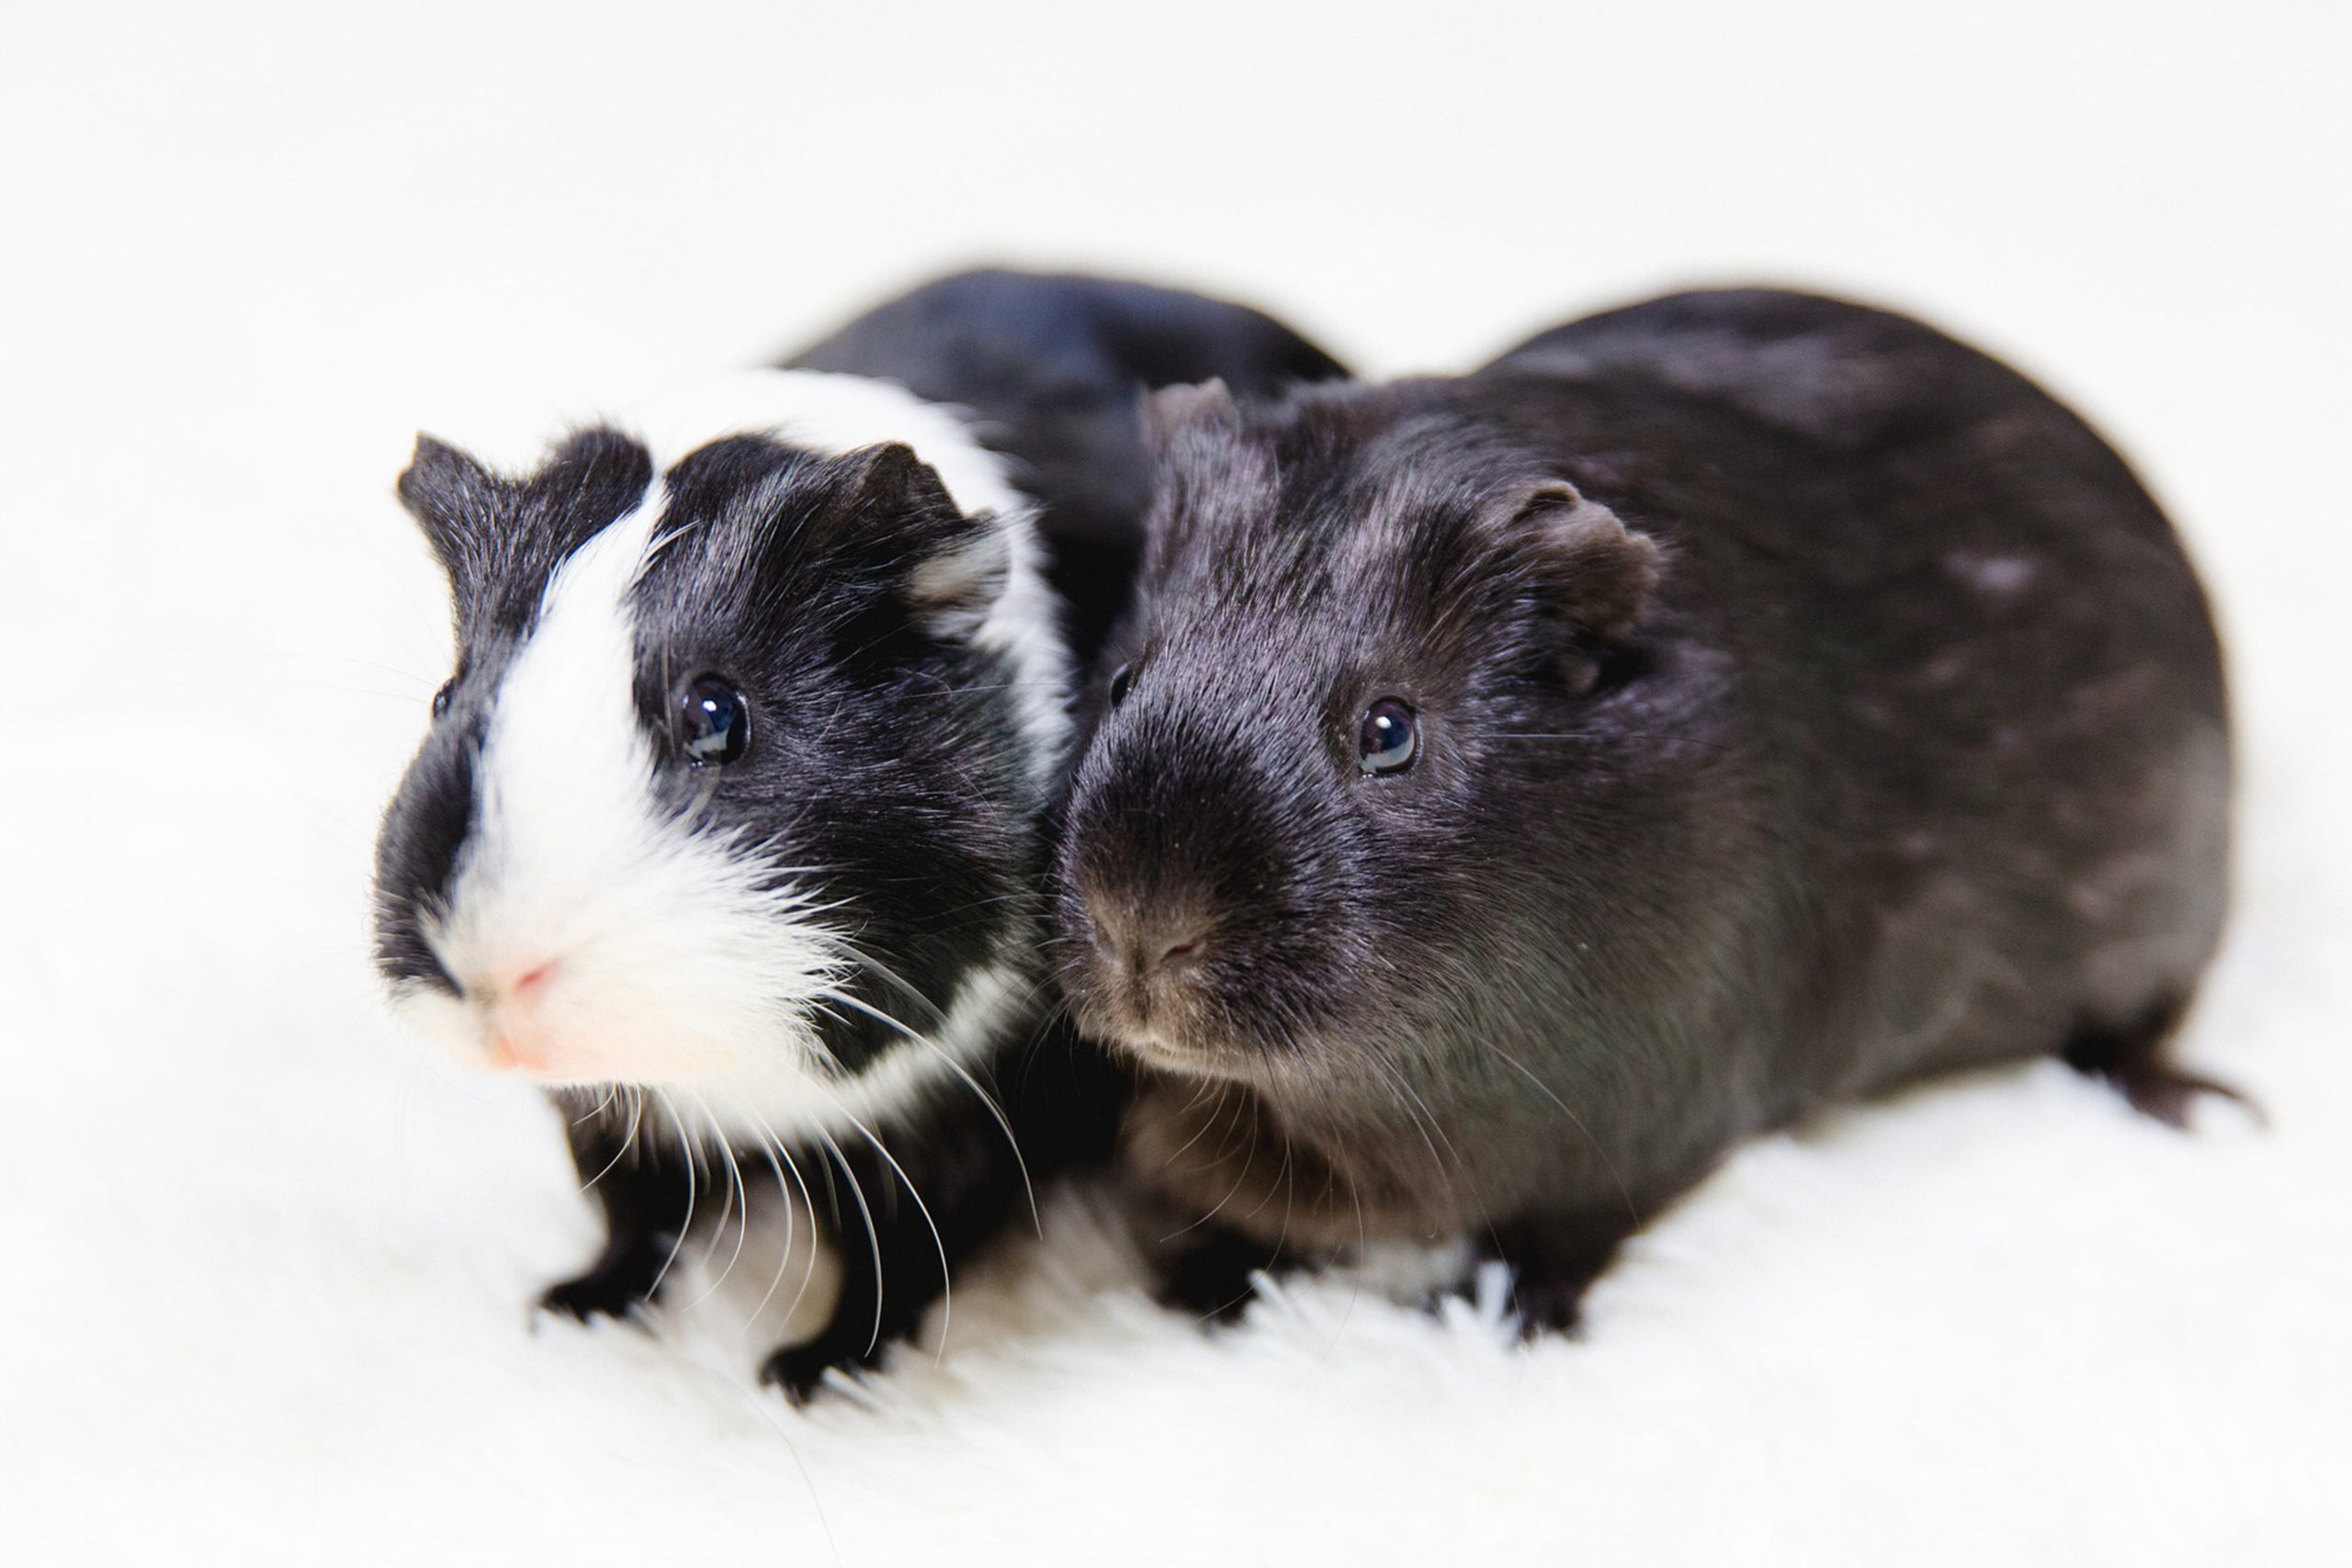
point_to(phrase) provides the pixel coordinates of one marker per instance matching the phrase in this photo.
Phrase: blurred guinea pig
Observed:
(729, 823)
(1518, 788)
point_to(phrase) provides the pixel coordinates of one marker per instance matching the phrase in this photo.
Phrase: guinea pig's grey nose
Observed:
(1140, 943)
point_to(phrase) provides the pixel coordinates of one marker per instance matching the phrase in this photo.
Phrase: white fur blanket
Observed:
(266, 1260)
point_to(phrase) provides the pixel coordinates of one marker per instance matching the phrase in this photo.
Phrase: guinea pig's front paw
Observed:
(799, 1369)
(1554, 1260)
(1548, 1306)
(1214, 1278)
(600, 1292)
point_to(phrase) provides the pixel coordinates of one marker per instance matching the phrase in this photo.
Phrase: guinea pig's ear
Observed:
(1175, 417)
(1599, 572)
(1206, 466)
(453, 499)
(950, 569)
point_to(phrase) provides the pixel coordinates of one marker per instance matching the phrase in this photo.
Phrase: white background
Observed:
(264, 1259)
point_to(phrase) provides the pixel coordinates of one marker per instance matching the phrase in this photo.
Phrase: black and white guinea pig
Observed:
(731, 823)
(1518, 788)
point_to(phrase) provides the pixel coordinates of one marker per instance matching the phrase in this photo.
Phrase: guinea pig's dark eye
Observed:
(1385, 742)
(1121, 679)
(441, 698)
(714, 721)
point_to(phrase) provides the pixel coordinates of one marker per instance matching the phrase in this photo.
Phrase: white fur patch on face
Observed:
(598, 937)
(757, 1097)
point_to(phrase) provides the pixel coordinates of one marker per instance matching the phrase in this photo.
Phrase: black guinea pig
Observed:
(730, 822)
(1518, 788)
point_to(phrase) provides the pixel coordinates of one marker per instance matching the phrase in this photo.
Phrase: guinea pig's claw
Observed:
(2133, 1057)
(2168, 1094)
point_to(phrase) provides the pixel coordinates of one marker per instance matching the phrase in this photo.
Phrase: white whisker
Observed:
(873, 1235)
(947, 1281)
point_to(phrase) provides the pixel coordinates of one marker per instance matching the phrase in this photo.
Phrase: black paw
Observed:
(596, 1295)
(799, 1369)
(1210, 1280)
(1554, 1260)
(1548, 1306)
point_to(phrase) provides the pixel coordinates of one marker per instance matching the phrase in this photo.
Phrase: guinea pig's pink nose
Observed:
(517, 1037)
(510, 1053)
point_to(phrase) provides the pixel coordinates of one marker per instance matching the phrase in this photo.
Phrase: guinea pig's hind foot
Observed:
(2132, 1058)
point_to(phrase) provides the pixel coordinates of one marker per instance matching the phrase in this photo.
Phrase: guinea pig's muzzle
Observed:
(1141, 961)
(1182, 904)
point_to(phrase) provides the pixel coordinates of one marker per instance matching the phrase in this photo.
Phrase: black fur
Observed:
(1807, 704)
(950, 1184)
(646, 1191)
(886, 758)
(1053, 368)
(948, 1191)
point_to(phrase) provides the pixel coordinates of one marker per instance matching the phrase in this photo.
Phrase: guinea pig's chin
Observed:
(1170, 1046)
(554, 1045)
